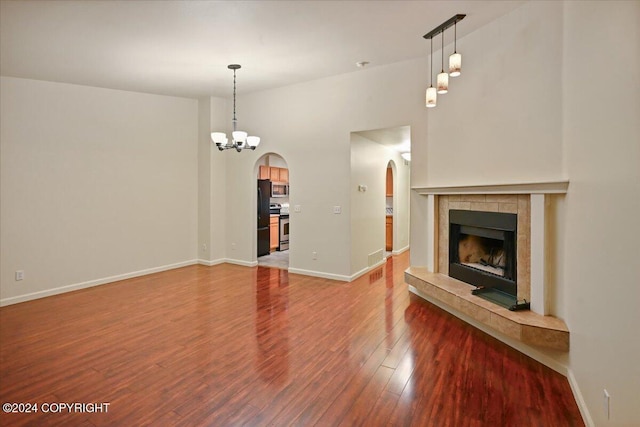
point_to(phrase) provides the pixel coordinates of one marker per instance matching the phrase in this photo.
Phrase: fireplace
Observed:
(482, 252)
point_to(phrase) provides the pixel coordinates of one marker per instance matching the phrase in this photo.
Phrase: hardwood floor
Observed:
(229, 345)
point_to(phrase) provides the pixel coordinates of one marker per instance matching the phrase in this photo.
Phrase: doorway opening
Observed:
(389, 211)
(272, 237)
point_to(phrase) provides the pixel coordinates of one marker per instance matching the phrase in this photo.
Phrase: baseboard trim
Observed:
(399, 251)
(320, 274)
(91, 283)
(518, 345)
(210, 263)
(240, 262)
(577, 395)
(366, 270)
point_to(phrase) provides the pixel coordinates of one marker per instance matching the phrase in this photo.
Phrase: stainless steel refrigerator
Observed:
(264, 192)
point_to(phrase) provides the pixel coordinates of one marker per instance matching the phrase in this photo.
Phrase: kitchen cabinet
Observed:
(274, 232)
(389, 233)
(278, 174)
(274, 174)
(263, 172)
(284, 175)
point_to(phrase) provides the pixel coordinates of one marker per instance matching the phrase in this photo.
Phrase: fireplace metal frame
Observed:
(495, 225)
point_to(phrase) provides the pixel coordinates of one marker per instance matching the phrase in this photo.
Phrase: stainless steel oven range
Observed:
(284, 232)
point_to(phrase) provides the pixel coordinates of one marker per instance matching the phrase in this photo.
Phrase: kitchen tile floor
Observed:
(277, 259)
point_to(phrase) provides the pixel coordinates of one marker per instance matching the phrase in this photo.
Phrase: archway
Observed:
(272, 211)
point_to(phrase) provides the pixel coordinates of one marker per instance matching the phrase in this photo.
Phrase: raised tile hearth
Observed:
(432, 281)
(526, 326)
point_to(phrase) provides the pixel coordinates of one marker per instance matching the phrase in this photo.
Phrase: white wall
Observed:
(554, 86)
(314, 139)
(501, 121)
(95, 183)
(369, 162)
(601, 90)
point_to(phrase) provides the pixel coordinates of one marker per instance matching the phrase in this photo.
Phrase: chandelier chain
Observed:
(235, 121)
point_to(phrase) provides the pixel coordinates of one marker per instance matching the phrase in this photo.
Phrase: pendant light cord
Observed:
(455, 35)
(431, 70)
(442, 51)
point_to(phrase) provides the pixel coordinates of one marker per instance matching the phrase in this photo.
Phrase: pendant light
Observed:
(443, 78)
(239, 139)
(455, 60)
(432, 96)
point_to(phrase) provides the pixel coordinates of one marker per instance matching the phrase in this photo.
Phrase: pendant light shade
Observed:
(455, 59)
(443, 78)
(432, 97)
(443, 83)
(455, 63)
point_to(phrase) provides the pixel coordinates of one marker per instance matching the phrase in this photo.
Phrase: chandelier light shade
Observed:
(443, 78)
(239, 139)
(443, 83)
(455, 60)
(431, 95)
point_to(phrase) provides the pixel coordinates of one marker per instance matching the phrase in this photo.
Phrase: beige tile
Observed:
(473, 198)
(508, 208)
(474, 311)
(502, 198)
(446, 297)
(460, 205)
(455, 198)
(505, 326)
(558, 340)
(484, 206)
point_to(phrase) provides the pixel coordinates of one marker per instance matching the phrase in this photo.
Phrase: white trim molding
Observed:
(241, 262)
(399, 251)
(91, 283)
(321, 274)
(548, 187)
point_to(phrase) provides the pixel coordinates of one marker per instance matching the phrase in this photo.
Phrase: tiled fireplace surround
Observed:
(533, 327)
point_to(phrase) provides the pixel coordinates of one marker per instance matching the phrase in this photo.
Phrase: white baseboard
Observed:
(212, 262)
(577, 394)
(320, 274)
(366, 270)
(91, 283)
(399, 251)
(240, 262)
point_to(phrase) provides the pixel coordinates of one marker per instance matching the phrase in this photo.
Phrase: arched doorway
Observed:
(272, 236)
(389, 208)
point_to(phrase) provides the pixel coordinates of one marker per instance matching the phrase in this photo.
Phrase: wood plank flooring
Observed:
(231, 346)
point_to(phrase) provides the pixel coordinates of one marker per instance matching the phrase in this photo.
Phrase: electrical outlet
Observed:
(297, 208)
(607, 404)
(314, 255)
(19, 275)
(233, 246)
(337, 209)
(204, 247)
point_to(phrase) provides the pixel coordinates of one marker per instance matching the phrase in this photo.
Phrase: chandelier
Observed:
(239, 139)
(455, 60)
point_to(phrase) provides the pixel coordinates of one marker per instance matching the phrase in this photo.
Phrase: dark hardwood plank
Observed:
(230, 345)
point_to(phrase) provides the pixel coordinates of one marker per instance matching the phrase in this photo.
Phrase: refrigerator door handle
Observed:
(259, 202)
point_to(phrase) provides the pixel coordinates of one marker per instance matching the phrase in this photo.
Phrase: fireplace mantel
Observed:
(529, 201)
(547, 187)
